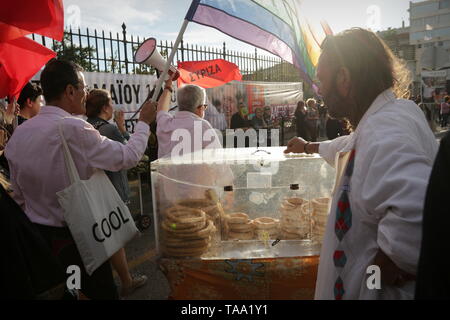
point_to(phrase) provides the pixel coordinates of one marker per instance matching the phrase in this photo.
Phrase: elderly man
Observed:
(382, 172)
(38, 170)
(188, 123)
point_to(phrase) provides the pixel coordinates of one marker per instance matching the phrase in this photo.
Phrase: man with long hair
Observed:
(371, 245)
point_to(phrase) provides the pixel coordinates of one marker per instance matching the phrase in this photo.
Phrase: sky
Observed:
(162, 19)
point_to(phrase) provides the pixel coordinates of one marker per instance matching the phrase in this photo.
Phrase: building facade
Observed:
(430, 34)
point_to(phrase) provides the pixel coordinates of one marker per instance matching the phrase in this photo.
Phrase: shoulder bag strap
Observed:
(70, 165)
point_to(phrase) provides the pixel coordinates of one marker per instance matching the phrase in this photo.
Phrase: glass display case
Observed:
(240, 204)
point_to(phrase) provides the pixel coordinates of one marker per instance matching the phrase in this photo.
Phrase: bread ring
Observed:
(290, 220)
(320, 205)
(299, 231)
(265, 223)
(240, 235)
(238, 217)
(200, 234)
(240, 227)
(185, 215)
(172, 228)
(293, 215)
(295, 201)
(195, 243)
(208, 206)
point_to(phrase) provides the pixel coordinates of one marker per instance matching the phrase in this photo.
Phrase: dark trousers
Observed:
(100, 285)
(444, 119)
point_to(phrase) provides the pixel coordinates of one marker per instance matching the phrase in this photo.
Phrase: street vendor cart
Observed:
(240, 223)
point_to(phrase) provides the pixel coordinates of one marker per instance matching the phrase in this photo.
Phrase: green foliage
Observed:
(67, 51)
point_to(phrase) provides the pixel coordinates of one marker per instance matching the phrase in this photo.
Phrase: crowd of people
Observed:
(312, 121)
(381, 145)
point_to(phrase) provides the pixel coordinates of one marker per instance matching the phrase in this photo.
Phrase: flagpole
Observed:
(167, 66)
(169, 61)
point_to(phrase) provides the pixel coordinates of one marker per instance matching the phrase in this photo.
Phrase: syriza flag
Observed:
(208, 74)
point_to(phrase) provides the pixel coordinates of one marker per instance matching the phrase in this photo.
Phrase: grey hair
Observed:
(308, 102)
(190, 97)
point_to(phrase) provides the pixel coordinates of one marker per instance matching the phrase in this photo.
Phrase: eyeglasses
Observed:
(85, 88)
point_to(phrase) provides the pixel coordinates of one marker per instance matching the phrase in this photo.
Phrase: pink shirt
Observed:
(37, 165)
(199, 133)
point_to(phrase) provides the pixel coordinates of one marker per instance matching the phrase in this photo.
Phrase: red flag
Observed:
(20, 60)
(22, 17)
(208, 74)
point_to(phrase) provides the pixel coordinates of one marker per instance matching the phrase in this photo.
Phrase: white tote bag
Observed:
(98, 219)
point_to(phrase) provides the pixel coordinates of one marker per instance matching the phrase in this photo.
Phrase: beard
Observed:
(339, 107)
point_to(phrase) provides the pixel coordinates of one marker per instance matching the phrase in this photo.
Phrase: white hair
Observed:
(190, 97)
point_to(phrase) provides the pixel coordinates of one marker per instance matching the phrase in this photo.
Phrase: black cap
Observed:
(294, 186)
(228, 188)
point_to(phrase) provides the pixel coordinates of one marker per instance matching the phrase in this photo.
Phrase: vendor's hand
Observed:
(296, 145)
(148, 112)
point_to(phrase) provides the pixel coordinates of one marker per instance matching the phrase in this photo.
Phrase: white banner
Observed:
(434, 74)
(129, 91)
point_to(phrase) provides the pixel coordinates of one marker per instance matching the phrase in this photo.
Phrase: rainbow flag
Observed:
(275, 26)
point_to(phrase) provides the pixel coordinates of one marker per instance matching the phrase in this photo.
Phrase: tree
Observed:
(66, 50)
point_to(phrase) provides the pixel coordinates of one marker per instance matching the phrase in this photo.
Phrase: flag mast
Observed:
(169, 60)
(158, 87)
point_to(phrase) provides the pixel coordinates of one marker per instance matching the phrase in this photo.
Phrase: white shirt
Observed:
(36, 159)
(395, 151)
(184, 133)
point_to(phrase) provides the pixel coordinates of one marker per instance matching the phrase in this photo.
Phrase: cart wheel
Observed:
(144, 222)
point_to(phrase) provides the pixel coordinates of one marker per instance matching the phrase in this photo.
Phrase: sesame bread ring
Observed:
(174, 228)
(291, 221)
(179, 214)
(208, 206)
(203, 233)
(320, 205)
(298, 231)
(265, 223)
(238, 217)
(295, 201)
(240, 227)
(292, 215)
(194, 243)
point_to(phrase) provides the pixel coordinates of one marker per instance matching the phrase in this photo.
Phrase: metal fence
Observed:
(114, 53)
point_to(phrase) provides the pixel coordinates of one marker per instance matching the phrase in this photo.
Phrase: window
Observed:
(432, 21)
(417, 23)
(444, 19)
(444, 4)
(424, 9)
